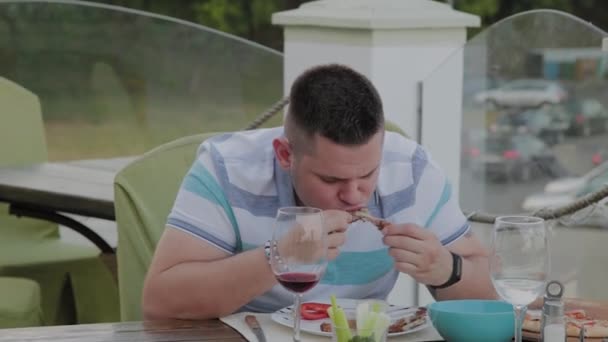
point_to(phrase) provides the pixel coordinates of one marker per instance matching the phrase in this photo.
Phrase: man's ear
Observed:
(283, 152)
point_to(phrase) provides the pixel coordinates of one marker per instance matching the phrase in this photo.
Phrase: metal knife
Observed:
(254, 325)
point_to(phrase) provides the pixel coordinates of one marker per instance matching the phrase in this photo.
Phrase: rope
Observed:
(547, 214)
(268, 114)
(550, 214)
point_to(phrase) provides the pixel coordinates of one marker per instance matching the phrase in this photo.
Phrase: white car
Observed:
(543, 200)
(523, 93)
(574, 184)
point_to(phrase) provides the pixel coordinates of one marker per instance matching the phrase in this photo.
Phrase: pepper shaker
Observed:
(553, 321)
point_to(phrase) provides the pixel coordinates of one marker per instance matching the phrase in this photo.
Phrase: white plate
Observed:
(284, 317)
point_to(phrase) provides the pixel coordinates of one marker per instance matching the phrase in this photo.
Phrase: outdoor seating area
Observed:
(103, 115)
(62, 282)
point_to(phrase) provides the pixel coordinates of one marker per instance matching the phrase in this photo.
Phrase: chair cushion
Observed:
(27, 253)
(19, 303)
(76, 285)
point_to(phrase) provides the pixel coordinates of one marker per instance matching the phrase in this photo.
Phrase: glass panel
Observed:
(116, 82)
(533, 90)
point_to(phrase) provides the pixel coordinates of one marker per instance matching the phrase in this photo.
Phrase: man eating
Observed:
(332, 153)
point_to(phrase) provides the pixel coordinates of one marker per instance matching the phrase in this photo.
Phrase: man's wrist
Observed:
(455, 275)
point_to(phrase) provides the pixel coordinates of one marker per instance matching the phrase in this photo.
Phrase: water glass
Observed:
(519, 262)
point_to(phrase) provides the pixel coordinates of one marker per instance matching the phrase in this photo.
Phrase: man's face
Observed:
(332, 176)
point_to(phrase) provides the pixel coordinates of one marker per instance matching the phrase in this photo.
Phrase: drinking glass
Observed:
(298, 254)
(519, 262)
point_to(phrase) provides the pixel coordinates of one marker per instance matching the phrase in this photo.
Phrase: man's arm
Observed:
(191, 279)
(475, 280)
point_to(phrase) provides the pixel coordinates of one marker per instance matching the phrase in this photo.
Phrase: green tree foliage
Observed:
(250, 19)
(491, 11)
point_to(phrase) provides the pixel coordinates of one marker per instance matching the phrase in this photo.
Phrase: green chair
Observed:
(144, 193)
(76, 286)
(19, 303)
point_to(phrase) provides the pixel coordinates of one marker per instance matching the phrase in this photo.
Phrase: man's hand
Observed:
(307, 239)
(419, 253)
(336, 223)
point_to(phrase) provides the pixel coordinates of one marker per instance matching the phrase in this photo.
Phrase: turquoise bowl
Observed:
(473, 320)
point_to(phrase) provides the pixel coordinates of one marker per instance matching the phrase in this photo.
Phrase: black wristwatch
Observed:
(456, 273)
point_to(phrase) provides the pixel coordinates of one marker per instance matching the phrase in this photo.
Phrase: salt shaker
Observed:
(553, 321)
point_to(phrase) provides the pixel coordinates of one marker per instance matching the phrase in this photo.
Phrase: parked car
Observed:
(472, 85)
(549, 123)
(470, 142)
(512, 156)
(524, 93)
(552, 200)
(587, 116)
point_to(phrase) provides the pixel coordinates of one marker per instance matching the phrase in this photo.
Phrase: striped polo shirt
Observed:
(231, 195)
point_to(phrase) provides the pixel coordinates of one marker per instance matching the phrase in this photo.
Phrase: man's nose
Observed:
(351, 193)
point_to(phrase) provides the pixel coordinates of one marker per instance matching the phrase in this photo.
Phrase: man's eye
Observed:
(329, 180)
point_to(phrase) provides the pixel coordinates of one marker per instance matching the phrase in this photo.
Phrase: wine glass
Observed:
(519, 262)
(298, 254)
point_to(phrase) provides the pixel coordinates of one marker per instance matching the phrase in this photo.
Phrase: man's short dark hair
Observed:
(337, 103)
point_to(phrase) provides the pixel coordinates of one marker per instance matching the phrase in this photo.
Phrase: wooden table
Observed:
(173, 331)
(47, 191)
(157, 331)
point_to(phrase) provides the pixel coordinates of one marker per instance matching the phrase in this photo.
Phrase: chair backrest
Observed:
(22, 142)
(392, 127)
(144, 192)
(22, 138)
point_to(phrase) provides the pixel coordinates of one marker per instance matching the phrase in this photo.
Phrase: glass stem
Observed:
(296, 319)
(519, 317)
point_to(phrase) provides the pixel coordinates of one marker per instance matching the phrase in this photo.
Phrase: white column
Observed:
(397, 44)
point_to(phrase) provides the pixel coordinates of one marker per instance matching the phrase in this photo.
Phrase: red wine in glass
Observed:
(298, 257)
(298, 281)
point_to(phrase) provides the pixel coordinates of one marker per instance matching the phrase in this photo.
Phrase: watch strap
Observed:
(456, 272)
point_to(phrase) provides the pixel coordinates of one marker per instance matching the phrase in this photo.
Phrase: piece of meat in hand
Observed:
(364, 215)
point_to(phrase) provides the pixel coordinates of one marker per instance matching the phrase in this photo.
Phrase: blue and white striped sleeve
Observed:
(443, 215)
(202, 209)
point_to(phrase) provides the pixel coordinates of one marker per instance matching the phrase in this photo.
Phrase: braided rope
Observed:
(265, 116)
(550, 214)
(547, 214)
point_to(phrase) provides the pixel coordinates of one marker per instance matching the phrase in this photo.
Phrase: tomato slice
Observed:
(314, 311)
